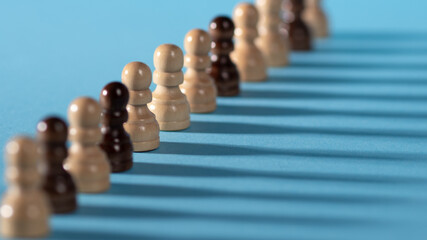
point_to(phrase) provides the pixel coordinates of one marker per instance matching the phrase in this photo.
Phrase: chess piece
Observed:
(299, 33)
(198, 86)
(223, 70)
(271, 42)
(169, 104)
(25, 208)
(58, 184)
(142, 125)
(246, 55)
(87, 162)
(316, 18)
(115, 142)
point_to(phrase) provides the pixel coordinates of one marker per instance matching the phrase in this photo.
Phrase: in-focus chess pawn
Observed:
(299, 33)
(58, 184)
(316, 18)
(25, 208)
(273, 44)
(198, 86)
(142, 125)
(115, 142)
(87, 162)
(169, 104)
(246, 55)
(223, 70)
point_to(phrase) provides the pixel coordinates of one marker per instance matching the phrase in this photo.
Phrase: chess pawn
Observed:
(246, 55)
(223, 70)
(316, 18)
(25, 208)
(273, 44)
(169, 104)
(58, 184)
(141, 125)
(115, 142)
(299, 33)
(198, 86)
(87, 162)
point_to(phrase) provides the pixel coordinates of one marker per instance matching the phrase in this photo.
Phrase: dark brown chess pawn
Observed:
(58, 184)
(223, 70)
(299, 32)
(115, 141)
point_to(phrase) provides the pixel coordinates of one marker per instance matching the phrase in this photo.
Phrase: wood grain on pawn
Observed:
(25, 208)
(316, 18)
(169, 104)
(273, 44)
(58, 184)
(87, 162)
(299, 33)
(142, 125)
(246, 55)
(198, 86)
(115, 142)
(223, 70)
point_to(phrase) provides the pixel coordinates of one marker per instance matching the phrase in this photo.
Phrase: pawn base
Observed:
(146, 145)
(174, 126)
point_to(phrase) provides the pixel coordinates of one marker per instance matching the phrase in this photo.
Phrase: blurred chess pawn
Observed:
(271, 41)
(25, 208)
(169, 104)
(198, 86)
(58, 184)
(246, 55)
(87, 162)
(299, 32)
(141, 125)
(316, 18)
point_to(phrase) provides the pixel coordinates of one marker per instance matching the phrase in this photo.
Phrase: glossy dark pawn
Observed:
(52, 135)
(299, 32)
(223, 70)
(116, 141)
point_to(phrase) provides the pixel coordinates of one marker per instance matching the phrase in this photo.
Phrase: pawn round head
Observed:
(114, 95)
(84, 112)
(245, 15)
(197, 42)
(168, 58)
(221, 27)
(21, 151)
(136, 76)
(52, 129)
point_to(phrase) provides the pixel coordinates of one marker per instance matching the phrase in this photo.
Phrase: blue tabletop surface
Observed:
(333, 147)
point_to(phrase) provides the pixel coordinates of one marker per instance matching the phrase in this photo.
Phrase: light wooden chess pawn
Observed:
(198, 86)
(316, 18)
(273, 44)
(142, 125)
(246, 55)
(169, 104)
(86, 161)
(25, 208)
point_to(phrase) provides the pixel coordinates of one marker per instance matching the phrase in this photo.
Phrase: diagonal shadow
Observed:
(292, 111)
(180, 170)
(162, 191)
(344, 80)
(301, 94)
(382, 36)
(201, 149)
(359, 65)
(377, 51)
(150, 213)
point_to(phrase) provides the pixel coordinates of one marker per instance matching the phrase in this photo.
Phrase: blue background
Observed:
(331, 147)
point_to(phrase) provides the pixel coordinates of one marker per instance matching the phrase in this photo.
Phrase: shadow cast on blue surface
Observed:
(382, 36)
(181, 170)
(374, 51)
(333, 80)
(146, 213)
(247, 110)
(358, 65)
(248, 128)
(202, 149)
(162, 191)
